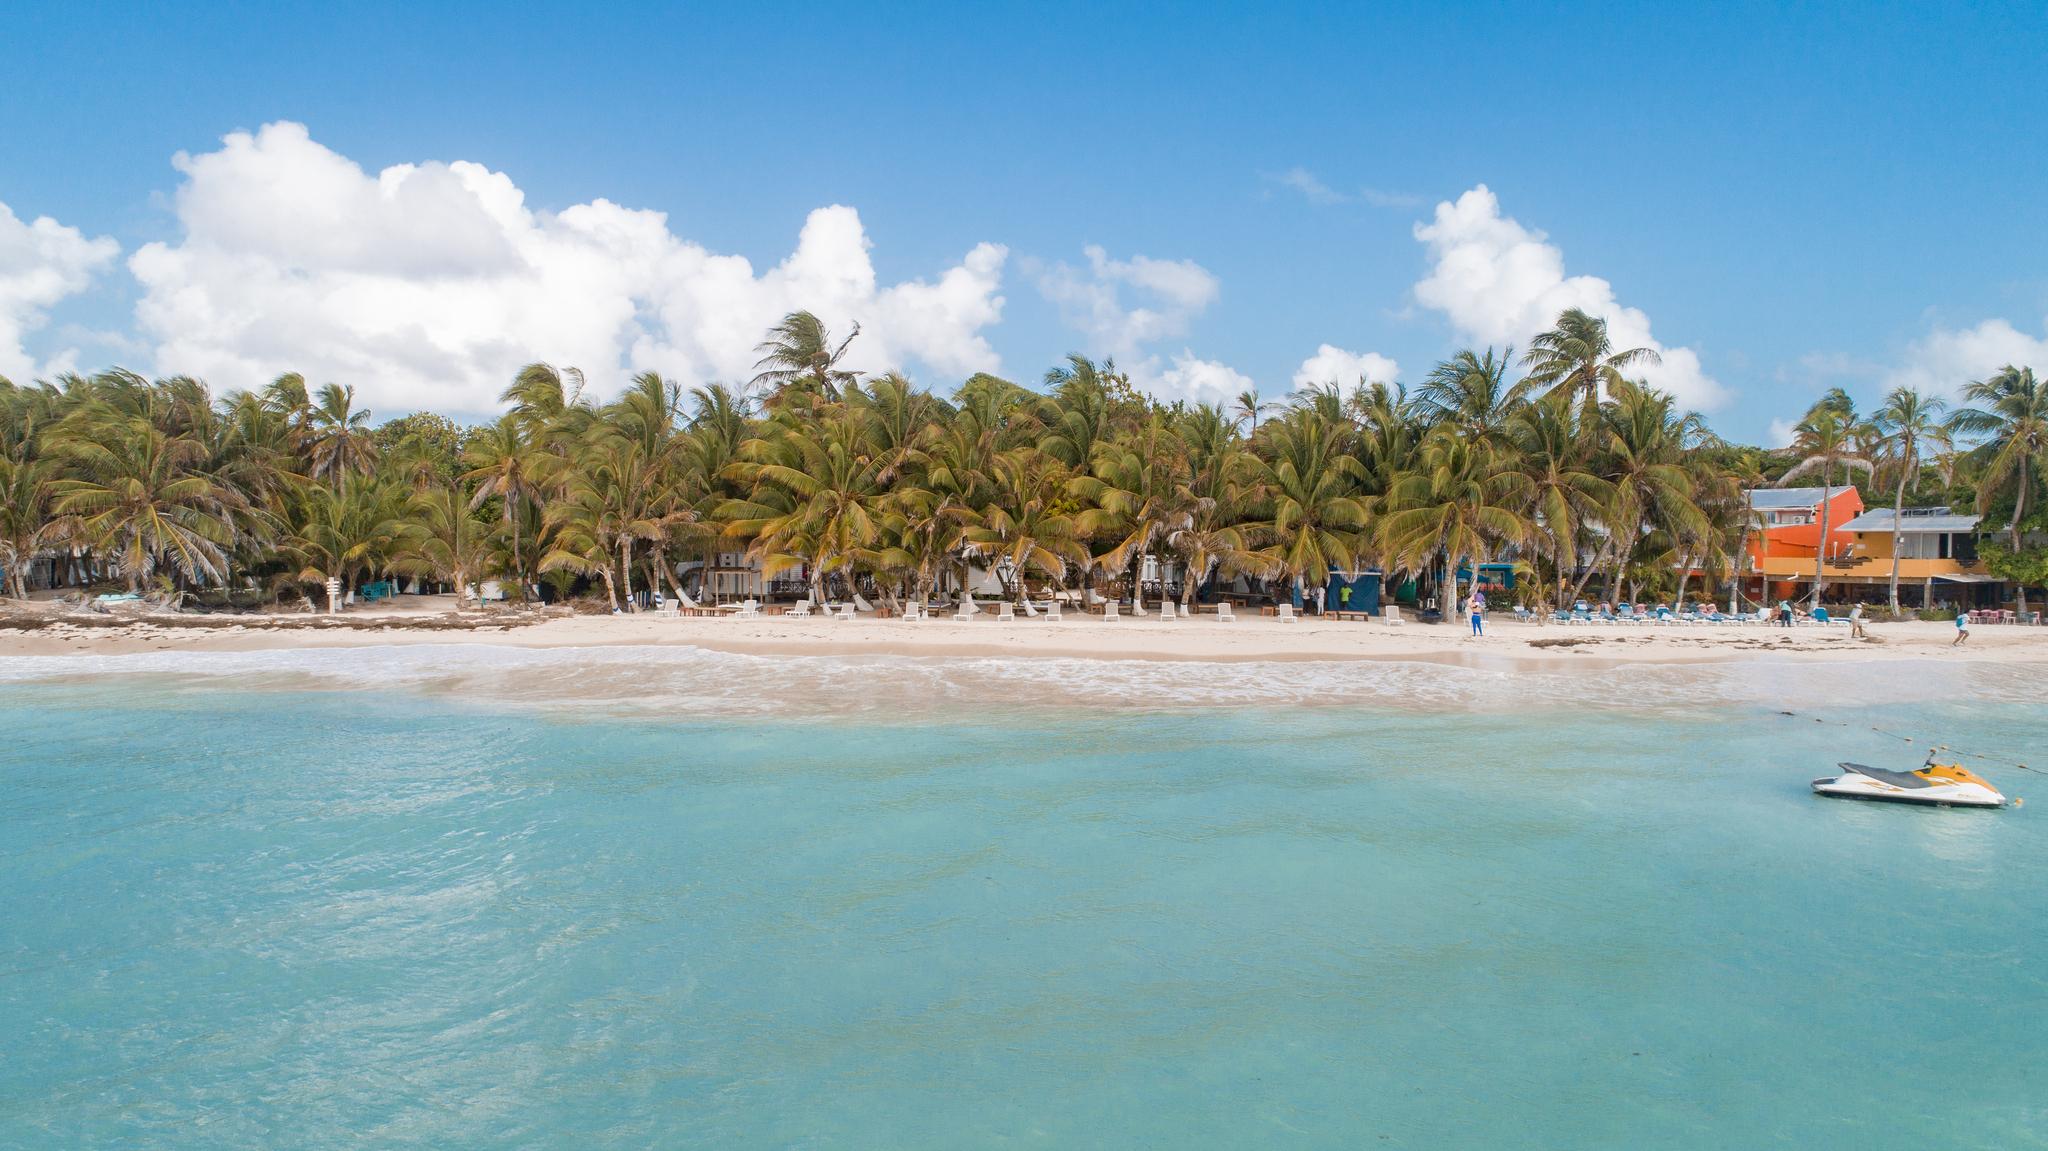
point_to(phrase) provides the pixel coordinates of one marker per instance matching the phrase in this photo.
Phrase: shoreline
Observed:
(1507, 645)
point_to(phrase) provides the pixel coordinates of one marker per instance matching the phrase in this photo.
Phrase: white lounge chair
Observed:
(1052, 610)
(1109, 609)
(1393, 614)
(800, 609)
(1223, 614)
(967, 609)
(912, 611)
(750, 609)
(845, 612)
(1166, 612)
(1286, 612)
(1005, 613)
(666, 608)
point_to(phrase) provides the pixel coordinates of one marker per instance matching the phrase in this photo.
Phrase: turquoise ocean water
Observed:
(476, 897)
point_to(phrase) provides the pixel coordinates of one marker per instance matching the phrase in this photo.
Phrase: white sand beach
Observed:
(50, 633)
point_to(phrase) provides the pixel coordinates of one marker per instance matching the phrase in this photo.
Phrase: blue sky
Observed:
(1838, 195)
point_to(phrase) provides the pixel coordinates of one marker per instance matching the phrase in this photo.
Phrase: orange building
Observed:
(1785, 541)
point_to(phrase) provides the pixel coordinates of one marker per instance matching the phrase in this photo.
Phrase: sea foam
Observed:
(687, 680)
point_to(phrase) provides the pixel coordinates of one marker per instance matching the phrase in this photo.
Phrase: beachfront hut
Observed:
(1353, 592)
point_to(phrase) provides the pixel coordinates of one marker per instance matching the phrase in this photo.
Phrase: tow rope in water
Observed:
(1942, 747)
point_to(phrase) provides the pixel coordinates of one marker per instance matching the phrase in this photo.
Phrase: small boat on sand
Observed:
(1935, 784)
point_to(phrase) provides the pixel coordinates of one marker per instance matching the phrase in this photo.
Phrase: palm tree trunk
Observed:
(1684, 577)
(664, 572)
(1898, 513)
(1820, 549)
(1599, 560)
(518, 557)
(626, 568)
(611, 591)
(2019, 511)
(1449, 609)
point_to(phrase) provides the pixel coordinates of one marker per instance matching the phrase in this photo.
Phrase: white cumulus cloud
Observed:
(1501, 283)
(1168, 293)
(42, 262)
(429, 284)
(1945, 359)
(1334, 365)
(1191, 378)
(1122, 307)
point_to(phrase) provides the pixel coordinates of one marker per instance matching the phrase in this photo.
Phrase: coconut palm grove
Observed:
(1553, 458)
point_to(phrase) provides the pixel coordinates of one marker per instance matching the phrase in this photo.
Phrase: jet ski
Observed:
(1935, 784)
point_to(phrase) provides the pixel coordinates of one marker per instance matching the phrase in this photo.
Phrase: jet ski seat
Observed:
(1895, 778)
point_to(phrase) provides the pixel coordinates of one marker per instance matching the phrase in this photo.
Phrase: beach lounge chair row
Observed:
(1168, 611)
(1665, 618)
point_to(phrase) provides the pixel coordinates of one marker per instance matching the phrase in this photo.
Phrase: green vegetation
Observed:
(1580, 472)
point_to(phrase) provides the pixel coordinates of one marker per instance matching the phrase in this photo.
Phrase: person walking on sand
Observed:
(1477, 606)
(1856, 622)
(1784, 613)
(1962, 629)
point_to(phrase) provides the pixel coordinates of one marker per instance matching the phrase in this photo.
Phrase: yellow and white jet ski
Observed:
(1937, 784)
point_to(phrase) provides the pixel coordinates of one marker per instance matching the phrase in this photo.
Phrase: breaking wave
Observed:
(658, 680)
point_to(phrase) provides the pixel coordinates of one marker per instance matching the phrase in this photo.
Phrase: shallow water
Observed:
(475, 897)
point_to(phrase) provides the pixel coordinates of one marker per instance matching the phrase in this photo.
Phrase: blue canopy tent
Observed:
(1353, 591)
(1492, 577)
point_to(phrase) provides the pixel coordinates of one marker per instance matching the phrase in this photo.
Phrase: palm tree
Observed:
(1312, 518)
(1647, 458)
(541, 395)
(799, 352)
(1908, 421)
(1217, 540)
(135, 493)
(1824, 442)
(1248, 408)
(2010, 411)
(451, 544)
(1024, 528)
(1577, 357)
(1471, 392)
(1458, 504)
(344, 533)
(1138, 494)
(504, 461)
(817, 499)
(1565, 493)
(338, 441)
(28, 488)
(1084, 411)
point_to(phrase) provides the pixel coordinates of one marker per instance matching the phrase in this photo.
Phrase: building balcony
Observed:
(1860, 567)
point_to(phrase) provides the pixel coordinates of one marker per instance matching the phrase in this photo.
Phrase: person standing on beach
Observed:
(1856, 622)
(1962, 628)
(1477, 606)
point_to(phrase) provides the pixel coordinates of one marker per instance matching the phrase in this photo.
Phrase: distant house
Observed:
(1937, 558)
(1785, 540)
(1937, 552)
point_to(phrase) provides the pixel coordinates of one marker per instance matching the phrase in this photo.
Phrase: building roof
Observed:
(1915, 520)
(1768, 499)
